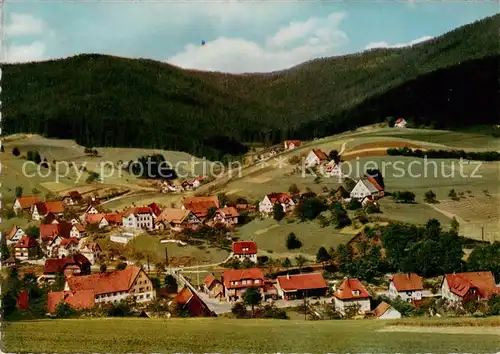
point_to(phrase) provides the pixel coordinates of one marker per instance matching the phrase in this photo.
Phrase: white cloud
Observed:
(307, 40)
(26, 53)
(373, 45)
(24, 25)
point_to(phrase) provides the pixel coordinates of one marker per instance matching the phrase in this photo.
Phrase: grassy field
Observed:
(240, 336)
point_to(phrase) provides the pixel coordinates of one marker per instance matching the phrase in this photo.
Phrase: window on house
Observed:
(257, 281)
(147, 288)
(141, 297)
(147, 296)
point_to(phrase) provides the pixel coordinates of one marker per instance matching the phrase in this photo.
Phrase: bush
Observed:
(239, 310)
(19, 191)
(354, 204)
(271, 311)
(16, 152)
(293, 242)
(121, 266)
(404, 197)
(430, 197)
(63, 310)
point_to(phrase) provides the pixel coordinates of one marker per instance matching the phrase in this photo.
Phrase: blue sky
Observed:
(241, 36)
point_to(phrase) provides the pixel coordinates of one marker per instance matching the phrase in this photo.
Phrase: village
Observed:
(76, 271)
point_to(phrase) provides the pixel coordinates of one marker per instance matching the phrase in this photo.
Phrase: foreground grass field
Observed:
(243, 336)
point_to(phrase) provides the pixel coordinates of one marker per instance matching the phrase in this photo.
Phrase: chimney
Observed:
(287, 276)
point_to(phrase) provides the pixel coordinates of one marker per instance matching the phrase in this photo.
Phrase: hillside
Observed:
(99, 100)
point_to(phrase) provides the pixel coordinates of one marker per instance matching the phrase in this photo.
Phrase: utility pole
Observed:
(482, 233)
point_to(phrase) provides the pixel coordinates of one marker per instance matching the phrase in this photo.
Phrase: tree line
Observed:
(446, 154)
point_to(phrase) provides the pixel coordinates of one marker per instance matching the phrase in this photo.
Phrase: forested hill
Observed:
(101, 100)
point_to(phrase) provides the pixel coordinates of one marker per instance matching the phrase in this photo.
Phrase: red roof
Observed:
(381, 308)
(79, 300)
(183, 296)
(347, 290)
(93, 219)
(407, 282)
(23, 302)
(114, 218)
(12, 232)
(209, 280)
(138, 210)
(399, 120)
(244, 247)
(302, 282)
(28, 201)
(320, 154)
(54, 265)
(68, 242)
(199, 205)
(228, 212)
(461, 283)
(48, 231)
(55, 207)
(26, 242)
(242, 274)
(104, 283)
(294, 142)
(375, 183)
(283, 198)
(156, 209)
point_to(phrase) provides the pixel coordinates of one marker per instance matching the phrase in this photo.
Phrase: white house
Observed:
(332, 169)
(351, 292)
(91, 210)
(123, 238)
(14, 235)
(291, 144)
(407, 286)
(96, 219)
(67, 247)
(91, 250)
(266, 206)
(384, 311)
(245, 249)
(400, 123)
(365, 187)
(139, 218)
(25, 203)
(315, 157)
(41, 209)
(457, 286)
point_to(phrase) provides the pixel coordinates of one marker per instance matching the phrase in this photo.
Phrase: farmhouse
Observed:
(459, 286)
(315, 157)
(408, 287)
(237, 281)
(298, 286)
(400, 123)
(267, 204)
(50, 218)
(212, 286)
(384, 311)
(14, 235)
(227, 216)
(139, 218)
(245, 249)
(26, 248)
(90, 250)
(351, 292)
(91, 209)
(96, 219)
(191, 302)
(42, 209)
(75, 265)
(365, 187)
(199, 205)
(65, 230)
(79, 300)
(332, 169)
(25, 203)
(72, 198)
(291, 144)
(155, 208)
(176, 219)
(115, 286)
(67, 247)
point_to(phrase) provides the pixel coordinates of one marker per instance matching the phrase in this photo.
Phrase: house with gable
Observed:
(332, 169)
(26, 248)
(365, 187)
(139, 218)
(115, 286)
(73, 198)
(96, 219)
(25, 203)
(407, 286)
(245, 249)
(74, 265)
(177, 220)
(79, 300)
(316, 157)
(351, 292)
(212, 286)
(298, 286)
(266, 206)
(459, 286)
(91, 250)
(67, 247)
(199, 205)
(384, 311)
(42, 209)
(227, 216)
(155, 208)
(14, 235)
(237, 281)
(291, 144)
(91, 209)
(400, 123)
(188, 300)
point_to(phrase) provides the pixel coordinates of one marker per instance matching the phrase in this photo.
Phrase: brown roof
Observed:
(280, 198)
(75, 195)
(94, 218)
(28, 201)
(12, 232)
(155, 208)
(228, 212)
(346, 290)
(79, 300)
(302, 282)
(173, 215)
(114, 218)
(65, 243)
(138, 210)
(93, 246)
(183, 296)
(48, 231)
(54, 206)
(407, 282)
(53, 265)
(26, 242)
(244, 247)
(241, 274)
(381, 308)
(461, 283)
(104, 283)
(199, 205)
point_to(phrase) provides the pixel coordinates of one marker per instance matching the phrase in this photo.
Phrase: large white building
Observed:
(139, 218)
(408, 287)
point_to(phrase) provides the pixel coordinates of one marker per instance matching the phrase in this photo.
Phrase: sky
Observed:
(243, 36)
